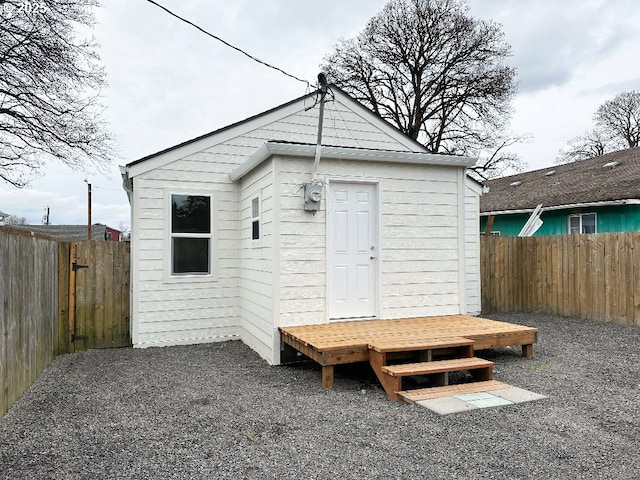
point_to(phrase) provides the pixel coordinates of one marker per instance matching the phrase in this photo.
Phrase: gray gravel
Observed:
(219, 411)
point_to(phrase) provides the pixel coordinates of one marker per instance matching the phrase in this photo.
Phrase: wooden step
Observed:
(405, 344)
(412, 396)
(440, 366)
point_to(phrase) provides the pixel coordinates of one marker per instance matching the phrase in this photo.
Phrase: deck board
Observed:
(354, 336)
(412, 342)
(423, 368)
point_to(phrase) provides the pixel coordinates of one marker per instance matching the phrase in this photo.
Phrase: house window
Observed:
(191, 234)
(255, 218)
(582, 223)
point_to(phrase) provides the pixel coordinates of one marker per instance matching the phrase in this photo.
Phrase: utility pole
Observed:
(88, 209)
(322, 87)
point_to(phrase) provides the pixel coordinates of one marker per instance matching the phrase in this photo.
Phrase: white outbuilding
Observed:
(253, 226)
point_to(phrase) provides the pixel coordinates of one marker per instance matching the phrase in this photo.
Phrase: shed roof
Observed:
(606, 178)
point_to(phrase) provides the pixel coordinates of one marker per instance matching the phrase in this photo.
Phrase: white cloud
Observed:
(169, 83)
(65, 193)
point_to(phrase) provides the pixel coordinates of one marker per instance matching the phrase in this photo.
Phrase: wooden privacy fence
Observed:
(593, 276)
(93, 295)
(57, 298)
(28, 311)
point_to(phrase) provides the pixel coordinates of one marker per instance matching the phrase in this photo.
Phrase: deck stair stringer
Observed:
(456, 351)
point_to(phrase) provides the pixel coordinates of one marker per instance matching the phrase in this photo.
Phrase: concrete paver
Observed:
(471, 401)
(446, 405)
(517, 395)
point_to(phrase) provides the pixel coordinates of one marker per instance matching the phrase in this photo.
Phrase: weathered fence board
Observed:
(589, 276)
(28, 311)
(98, 295)
(47, 308)
(64, 268)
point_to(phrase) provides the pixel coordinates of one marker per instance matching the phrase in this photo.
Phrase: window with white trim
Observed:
(255, 218)
(582, 223)
(191, 234)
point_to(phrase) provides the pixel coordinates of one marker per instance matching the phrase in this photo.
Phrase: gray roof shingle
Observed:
(585, 181)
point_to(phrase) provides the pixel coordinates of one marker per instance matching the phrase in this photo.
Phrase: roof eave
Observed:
(605, 203)
(347, 154)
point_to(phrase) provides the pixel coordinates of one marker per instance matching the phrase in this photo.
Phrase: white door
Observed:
(352, 261)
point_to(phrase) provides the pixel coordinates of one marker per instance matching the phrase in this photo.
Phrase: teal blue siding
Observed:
(624, 218)
(507, 225)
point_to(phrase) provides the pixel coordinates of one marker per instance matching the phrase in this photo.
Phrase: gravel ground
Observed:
(219, 411)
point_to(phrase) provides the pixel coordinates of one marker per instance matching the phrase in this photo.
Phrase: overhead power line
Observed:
(226, 43)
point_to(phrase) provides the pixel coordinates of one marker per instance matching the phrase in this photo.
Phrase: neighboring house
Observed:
(233, 235)
(112, 234)
(73, 233)
(598, 195)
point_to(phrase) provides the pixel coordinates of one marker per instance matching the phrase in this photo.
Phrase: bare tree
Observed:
(15, 220)
(617, 126)
(591, 144)
(125, 230)
(498, 160)
(620, 118)
(49, 85)
(434, 71)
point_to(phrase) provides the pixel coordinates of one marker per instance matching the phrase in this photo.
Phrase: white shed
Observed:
(224, 246)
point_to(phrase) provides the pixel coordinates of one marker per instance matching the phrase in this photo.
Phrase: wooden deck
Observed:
(348, 342)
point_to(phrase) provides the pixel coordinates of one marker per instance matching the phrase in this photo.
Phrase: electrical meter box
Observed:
(312, 196)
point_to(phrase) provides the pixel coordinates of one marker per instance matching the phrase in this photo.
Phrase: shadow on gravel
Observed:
(219, 411)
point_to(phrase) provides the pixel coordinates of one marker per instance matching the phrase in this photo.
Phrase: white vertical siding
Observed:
(167, 311)
(282, 280)
(341, 127)
(419, 253)
(472, 247)
(302, 248)
(256, 262)
(186, 311)
(170, 311)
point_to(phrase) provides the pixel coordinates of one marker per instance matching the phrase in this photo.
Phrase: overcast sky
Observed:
(169, 82)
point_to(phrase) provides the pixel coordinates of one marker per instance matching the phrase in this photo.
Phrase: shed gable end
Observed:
(346, 124)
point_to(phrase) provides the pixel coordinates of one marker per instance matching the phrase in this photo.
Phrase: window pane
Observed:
(589, 223)
(191, 255)
(255, 208)
(574, 225)
(190, 214)
(255, 230)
